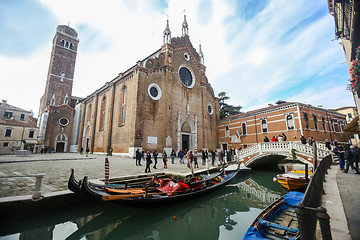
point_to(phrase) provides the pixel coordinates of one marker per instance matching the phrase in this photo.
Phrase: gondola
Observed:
(157, 191)
(278, 220)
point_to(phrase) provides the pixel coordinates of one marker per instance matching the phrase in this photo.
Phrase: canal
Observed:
(225, 214)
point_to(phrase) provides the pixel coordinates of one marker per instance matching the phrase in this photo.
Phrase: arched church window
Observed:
(71, 46)
(63, 42)
(102, 113)
(67, 44)
(123, 106)
(315, 122)
(306, 119)
(186, 128)
(89, 112)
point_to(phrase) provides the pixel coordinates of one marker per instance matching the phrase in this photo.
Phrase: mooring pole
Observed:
(37, 194)
(106, 170)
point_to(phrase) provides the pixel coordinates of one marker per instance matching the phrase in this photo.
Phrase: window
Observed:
(332, 125)
(102, 114)
(290, 122)
(323, 123)
(306, 119)
(123, 106)
(63, 42)
(31, 134)
(243, 128)
(349, 116)
(8, 132)
(8, 115)
(5, 144)
(315, 122)
(154, 91)
(71, 46)
(22, 117)
(63, 121)
(264, 125)
(352, 136)
(89, 112)
(227, 131)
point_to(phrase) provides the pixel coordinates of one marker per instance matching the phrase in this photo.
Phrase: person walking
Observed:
(172, 156)
(137, 157)
(327, 144)
(310, 141)
(339, 151)
(87, 152)
(181, 156)
(164, 156)
(203, 157)
(190, 158)
(81, 150)
(148, 162)
(221, 157)
(213, 158)
(155, 155)
(302, 139)
(196, 154)
(350, 157)
(284, 137)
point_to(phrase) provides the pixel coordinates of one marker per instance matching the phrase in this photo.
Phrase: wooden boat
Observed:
(156, 191)
(294, 180)
(278, 220)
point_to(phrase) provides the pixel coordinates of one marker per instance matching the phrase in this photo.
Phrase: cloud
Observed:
(25, 26)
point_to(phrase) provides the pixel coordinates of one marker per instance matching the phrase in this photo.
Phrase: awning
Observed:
(352, 127)
(31, 141)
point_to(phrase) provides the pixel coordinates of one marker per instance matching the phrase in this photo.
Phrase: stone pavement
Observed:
(56, 168)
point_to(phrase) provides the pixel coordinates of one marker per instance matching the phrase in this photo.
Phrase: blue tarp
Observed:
(292, 198)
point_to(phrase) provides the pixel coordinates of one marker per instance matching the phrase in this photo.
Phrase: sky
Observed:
(257, 51)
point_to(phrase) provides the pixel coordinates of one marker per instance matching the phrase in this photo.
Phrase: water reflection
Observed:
(225, 214)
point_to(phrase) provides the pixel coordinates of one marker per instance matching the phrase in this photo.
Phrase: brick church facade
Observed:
(164, 102)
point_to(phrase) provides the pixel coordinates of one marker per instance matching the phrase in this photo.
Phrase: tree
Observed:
(227, 109)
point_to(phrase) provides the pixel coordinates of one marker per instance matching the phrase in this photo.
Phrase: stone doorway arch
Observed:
(61, 143)
(187, 133)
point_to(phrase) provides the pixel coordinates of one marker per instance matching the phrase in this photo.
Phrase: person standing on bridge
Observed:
(266, 139)
(339, 151)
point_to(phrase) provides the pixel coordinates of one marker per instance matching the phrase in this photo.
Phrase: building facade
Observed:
(291, 118)
(57, 105)
(18, 130)
(352, 115)
(346, 15)
(164, 102)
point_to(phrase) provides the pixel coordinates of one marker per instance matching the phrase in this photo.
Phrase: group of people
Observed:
(281, 138)
(190, 156)
(348, 156)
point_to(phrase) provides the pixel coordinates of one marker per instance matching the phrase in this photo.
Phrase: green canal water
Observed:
(225, 214)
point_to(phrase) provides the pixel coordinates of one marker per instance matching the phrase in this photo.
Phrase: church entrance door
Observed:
(185, 141)
(60, 146)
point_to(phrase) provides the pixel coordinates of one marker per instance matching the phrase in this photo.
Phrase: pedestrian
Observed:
(266, 139)
(229, 156)
(350, 157)
(164, 156)
(221, 157)
(190, 158)
(203, 157)
(181, 156)
(213, 154)
(138, 157)
(273, 139)
(310, 141)
(81, 150)
(280, 138)
(327, 144)
(284, 137)
(87, 151)
(148, 162)
(196, 154)
(142, 156)
(339, 151)
(302, 139)
(172, 156)
(155, 155)
(356, 161)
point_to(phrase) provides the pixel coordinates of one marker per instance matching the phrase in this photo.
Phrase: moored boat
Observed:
(297, 179)
(278, 220)
(156, 191)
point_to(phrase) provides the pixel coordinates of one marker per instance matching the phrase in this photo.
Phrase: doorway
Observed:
(60, 147)
(185, 141)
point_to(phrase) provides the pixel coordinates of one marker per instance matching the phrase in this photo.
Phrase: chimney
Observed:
(3, 108)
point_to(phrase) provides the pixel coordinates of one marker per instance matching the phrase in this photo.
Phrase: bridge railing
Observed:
(277, 147)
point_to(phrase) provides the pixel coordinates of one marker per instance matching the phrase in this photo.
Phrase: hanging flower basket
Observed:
(355, 73)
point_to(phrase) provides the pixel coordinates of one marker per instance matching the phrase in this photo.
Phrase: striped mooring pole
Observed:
(106, 170)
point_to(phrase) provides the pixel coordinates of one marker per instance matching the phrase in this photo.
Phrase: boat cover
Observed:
(292, 198)
(172, 188)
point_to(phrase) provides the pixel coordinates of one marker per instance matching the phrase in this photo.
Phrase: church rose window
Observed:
(186, 77)
(154, 91)
(63, 121)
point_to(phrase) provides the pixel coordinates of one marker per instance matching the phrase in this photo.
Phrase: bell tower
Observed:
(60, 76)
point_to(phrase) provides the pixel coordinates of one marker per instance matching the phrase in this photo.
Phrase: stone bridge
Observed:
(258, 153)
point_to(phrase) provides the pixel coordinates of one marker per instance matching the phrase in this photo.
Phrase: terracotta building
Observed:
(57, 105)
(291, 118)
(164, 102)
(18, 130)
